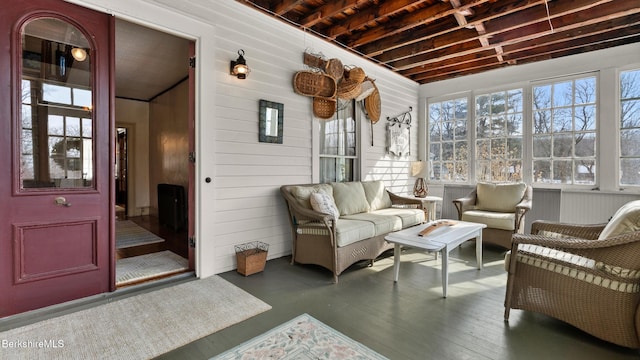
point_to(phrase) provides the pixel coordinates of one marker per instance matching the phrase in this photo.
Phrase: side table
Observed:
(429, 205)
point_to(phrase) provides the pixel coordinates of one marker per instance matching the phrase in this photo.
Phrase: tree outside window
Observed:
(630, 128)
(564, 131)
(448, 140)
(499, 136)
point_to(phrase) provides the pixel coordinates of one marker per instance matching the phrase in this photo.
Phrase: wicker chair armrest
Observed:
(301, 213)
(583, 231)
(618, 251)
(401, 200)
(524, 206)
(569, 243)
(298, 212)
(463, 203)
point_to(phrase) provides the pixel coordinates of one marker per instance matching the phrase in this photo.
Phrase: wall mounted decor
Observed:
(270, 123)
(399, 134)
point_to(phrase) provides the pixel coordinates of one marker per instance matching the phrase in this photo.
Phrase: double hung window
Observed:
(338, 145)
(630, 128)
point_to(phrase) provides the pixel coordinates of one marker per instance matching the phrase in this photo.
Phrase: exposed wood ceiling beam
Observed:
(430, 40)
(504, 33)
(520, 52)
(369, 15)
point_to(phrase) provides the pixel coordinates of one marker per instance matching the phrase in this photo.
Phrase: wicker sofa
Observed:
(585, 275)
(352, 228)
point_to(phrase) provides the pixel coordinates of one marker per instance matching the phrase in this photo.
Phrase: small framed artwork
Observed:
(270, 122)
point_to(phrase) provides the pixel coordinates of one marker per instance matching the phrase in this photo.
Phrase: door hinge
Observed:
(192, 157)
(192, 62)
(192, 242)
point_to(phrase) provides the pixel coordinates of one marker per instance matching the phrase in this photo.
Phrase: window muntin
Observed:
(564, 131)
(338, 145)
(448, 140)
(629, 128)
(498, 151)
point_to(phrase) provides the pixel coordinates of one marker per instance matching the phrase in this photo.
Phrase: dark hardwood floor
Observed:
(175, 240)
(405, 320)
(408, 319)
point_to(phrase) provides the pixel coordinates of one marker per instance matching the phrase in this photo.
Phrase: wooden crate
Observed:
(251, 257)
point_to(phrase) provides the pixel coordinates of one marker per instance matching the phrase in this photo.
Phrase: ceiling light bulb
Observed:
(79, 54)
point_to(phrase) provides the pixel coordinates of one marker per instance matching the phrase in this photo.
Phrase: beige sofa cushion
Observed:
(350, 231)
(302, 193)
(499, 197)
(350, 198)
(496, 220)
(377, 195)
(625, 220)
(408, 216)
(383, 224)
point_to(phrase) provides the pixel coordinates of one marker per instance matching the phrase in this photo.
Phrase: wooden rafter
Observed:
(430, 40)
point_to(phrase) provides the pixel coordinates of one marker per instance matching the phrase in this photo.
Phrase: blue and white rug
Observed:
(301, 338)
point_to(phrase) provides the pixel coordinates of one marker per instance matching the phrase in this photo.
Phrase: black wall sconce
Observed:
(239, 67)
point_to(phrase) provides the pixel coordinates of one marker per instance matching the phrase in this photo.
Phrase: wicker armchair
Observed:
(502, 207)
(571, 273)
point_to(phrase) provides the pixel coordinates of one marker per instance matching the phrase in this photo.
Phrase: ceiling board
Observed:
(148, 62)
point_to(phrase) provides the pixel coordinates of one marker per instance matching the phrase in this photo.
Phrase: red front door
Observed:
(55, 154)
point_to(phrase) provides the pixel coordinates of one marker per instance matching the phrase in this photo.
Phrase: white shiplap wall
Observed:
(243, 203)
(250, 173)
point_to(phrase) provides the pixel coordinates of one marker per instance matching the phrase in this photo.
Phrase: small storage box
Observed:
(251, 257)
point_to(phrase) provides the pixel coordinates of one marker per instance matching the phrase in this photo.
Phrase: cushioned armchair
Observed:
(501, 207)
(585, 275)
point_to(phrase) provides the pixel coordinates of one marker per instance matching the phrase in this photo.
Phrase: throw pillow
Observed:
(302, 193)
(323, 202)
(625, 220)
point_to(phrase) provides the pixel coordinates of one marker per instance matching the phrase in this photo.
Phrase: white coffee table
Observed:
(443, 240)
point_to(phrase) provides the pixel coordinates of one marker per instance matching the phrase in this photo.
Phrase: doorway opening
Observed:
(121, 173)
(152, 145)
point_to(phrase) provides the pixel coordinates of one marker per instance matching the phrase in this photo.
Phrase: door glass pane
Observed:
(57, 141)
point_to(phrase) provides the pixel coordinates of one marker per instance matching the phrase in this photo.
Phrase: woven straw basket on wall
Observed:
(313, 83)
(372, 105)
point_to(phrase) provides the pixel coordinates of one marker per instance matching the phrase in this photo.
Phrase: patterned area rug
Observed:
(148, 266)
(301, 338)
(138, 327)
(129, 234)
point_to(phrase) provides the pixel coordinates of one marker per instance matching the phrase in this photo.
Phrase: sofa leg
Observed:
(335, 278)
(506, 313)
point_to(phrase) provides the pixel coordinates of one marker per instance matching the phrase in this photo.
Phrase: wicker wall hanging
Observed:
(329, 80)
(312, 83)
(324, 108)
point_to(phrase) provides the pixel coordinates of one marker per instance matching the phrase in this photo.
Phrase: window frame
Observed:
(596, 131)
(453, 97)
(619, 129)
(341, 157)
(527, 128)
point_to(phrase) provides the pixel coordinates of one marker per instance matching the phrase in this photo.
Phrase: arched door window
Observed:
(56, 101)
